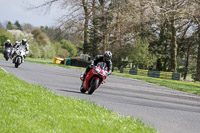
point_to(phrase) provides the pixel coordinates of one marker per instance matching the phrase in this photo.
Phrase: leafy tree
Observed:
(4, 35)
(140, 55)
(60, 52)
(196, 18)
(27, 27)
(79, 48)
(9, 26)
(18, 25)
(40, 37)
(69, 47)
(1, 27)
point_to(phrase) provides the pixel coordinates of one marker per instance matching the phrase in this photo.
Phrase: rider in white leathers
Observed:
(22, 45)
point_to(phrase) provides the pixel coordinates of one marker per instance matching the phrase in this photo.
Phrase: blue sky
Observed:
(12, 10)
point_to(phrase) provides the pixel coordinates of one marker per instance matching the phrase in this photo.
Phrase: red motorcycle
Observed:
(94, 78)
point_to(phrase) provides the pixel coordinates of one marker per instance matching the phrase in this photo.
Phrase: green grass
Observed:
(31, 108)
(190, 87)
(1, 56)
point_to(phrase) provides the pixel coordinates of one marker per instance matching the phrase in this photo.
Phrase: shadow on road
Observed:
(71, 91)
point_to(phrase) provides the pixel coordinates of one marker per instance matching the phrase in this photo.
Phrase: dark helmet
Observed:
(24, 41)
(108, 55)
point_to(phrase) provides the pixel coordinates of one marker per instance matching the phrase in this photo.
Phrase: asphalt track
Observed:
(165, 109)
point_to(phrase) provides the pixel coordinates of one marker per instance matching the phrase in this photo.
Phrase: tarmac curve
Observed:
(165, 109)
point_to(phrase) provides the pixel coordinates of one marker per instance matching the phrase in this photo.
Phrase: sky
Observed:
(12, 10)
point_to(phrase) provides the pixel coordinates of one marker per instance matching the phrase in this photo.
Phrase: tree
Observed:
(79, 13)
(172, 13)
(69, 47)
(40, 37)
(44, 44)
(9, 26)
(18, 25)
(196, 18)
(1, 27)
(27, 27)
(140, 55)
(4, 35)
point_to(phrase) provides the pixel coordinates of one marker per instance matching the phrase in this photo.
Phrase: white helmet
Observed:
(8, 41)
(108, 55)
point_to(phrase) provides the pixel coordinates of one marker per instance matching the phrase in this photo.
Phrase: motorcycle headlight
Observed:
(104, 73)
(17, 52)
(98, 70)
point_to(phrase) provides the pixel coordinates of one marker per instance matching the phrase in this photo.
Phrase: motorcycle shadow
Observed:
(71, 91)
(77, 92)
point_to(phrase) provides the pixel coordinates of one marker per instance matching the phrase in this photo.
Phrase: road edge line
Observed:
(4, 69)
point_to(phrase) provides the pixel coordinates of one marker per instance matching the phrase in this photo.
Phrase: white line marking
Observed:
(3, 69)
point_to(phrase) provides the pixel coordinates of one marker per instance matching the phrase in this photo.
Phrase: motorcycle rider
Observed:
(13, 49)
(15, 44)
(7, 44)
(23, 45)
(100, 58)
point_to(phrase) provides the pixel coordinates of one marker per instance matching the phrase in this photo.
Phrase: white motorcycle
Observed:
(18, 58)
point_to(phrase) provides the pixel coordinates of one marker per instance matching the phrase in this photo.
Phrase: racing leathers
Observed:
(7, 45)
(97, 59)
(21, 46)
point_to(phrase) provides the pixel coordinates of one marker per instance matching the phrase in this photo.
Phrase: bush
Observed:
(4, 35)
(69, 47)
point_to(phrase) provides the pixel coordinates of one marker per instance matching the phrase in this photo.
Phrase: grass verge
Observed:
(190, 87)
(31, 108)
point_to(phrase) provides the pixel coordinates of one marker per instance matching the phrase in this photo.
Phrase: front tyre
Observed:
(7, 58)
(82, 89)
(94, 85)
(17, 62)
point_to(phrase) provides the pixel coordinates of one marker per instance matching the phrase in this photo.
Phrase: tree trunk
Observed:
(94, 39)
(173, 46)
(198, 60)
(85, 45)
(159, 65)
(187, 62)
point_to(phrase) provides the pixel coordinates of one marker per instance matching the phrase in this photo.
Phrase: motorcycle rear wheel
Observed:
(94, 85)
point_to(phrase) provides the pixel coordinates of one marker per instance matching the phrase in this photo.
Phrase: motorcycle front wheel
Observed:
(17, 62)
(6, 57)
(94, 85)
(82, 89)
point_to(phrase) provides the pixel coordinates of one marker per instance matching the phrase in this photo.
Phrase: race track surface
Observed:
(165, 109)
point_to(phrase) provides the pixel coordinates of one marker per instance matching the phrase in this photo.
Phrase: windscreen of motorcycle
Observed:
(102, 65)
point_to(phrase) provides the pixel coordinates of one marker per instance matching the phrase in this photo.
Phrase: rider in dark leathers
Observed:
(100, 58)
(7, 44)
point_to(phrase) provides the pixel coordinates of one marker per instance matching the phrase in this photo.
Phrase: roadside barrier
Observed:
(57, 60)
(79, 63)
(71, 62)
(154, 74)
